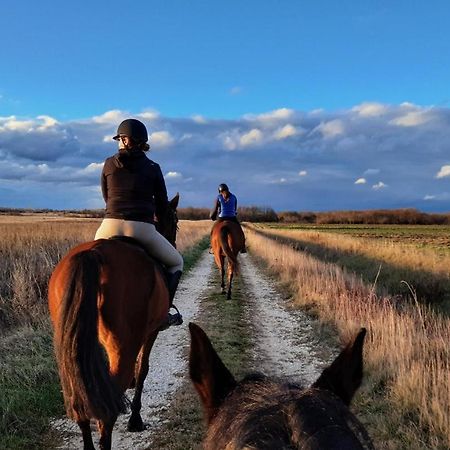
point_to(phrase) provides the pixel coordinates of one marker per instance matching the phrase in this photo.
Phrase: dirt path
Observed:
(283, 345)
(285, 337)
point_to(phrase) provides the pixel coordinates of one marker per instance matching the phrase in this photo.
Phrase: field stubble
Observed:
(406, 399)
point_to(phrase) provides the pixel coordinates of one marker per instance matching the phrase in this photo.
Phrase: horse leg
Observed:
(222, 273)
(135, 422)
(85, 427)
(230, 281)
(105, 429)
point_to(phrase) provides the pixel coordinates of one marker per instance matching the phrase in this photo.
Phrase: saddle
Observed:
(132, 241)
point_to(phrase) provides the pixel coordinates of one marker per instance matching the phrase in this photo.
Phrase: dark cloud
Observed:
(397, 149)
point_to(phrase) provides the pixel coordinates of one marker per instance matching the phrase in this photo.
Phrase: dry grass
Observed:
(30, 249)
(407, 354)
(384, 249)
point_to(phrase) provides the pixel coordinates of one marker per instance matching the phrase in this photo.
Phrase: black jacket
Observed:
(133, 187)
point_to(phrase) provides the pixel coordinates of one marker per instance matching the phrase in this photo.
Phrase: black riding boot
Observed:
(172, 283)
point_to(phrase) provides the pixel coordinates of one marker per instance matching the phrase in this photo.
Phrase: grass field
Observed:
(422, 236)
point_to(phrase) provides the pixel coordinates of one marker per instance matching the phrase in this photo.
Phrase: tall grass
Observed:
(426, 270)
(29, 252)
(406, 402)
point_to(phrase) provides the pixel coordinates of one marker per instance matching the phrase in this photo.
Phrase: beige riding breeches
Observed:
(156, 244)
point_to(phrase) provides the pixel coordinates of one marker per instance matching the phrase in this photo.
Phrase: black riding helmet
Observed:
(223, 188)
(134, 129)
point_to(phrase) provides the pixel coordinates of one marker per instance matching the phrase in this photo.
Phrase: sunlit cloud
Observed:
(443, 172)
(361, 181)
(286, 132)
(159, 139)
(371, 109)
(379, 185)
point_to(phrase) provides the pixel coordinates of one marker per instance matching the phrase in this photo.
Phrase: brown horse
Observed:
(227, 240)
(107, 301)
(261, 413)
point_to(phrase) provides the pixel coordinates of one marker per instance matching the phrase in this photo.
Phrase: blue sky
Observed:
(253, 93)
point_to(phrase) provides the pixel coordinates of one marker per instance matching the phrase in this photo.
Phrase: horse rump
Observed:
(88, 390)
(264, 413)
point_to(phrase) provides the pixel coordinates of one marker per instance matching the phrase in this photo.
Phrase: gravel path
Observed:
(284, 338)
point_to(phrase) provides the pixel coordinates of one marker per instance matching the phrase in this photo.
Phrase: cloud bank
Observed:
(369, 156)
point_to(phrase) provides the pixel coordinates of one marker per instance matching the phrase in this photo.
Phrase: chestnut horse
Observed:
(227, 240)
(107, 301)
(262, 413)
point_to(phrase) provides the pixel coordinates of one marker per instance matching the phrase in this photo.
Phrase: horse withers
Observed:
(261, 413)
(107, 301)
(227, 240)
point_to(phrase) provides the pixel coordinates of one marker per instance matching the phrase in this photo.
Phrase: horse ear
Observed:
(212, 380)
(174, 202)
(344, 376)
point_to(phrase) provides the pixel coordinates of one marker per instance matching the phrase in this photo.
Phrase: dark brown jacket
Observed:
(133, 187)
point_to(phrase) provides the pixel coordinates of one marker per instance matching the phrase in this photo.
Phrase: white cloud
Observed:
(370, 109)
(302, 173)
(11, 123)
(412, 119)
(161, 139)
(115, 116)
(285, 132)
(277, 115)
(379, 185)
(361, 181)
(173, 175)
(429, 197)
(332, 128)
(197, 118)
(149, 115)
(48, 122)
(253, 137)
(371, 171)
(443, 172)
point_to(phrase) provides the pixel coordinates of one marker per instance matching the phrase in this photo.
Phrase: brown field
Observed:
(406, 398)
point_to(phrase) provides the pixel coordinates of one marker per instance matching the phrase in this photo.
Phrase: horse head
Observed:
(167, 224)
(262, 413)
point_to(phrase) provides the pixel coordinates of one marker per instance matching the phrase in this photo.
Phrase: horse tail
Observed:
(232, 258)
(89, 391)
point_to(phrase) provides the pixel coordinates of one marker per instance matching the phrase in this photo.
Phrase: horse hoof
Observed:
(135, 424)
(228, 296)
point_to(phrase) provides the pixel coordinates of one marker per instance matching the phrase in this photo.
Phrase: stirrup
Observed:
(174, 319)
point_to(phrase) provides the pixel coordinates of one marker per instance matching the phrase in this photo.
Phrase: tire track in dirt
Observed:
(168, 369)
(284, 339)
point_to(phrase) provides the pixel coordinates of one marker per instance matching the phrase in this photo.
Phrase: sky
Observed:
(295, 105)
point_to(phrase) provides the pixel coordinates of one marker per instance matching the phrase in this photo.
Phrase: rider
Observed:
(225, 207)
(134, 191)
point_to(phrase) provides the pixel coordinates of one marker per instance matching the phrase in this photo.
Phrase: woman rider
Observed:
(225, 207)
(134, 191)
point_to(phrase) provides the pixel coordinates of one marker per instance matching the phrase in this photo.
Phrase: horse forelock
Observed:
(265, 413)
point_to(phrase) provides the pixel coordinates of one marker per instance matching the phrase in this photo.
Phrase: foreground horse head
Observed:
(107, 297)
(227, 240)
(262, 413)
